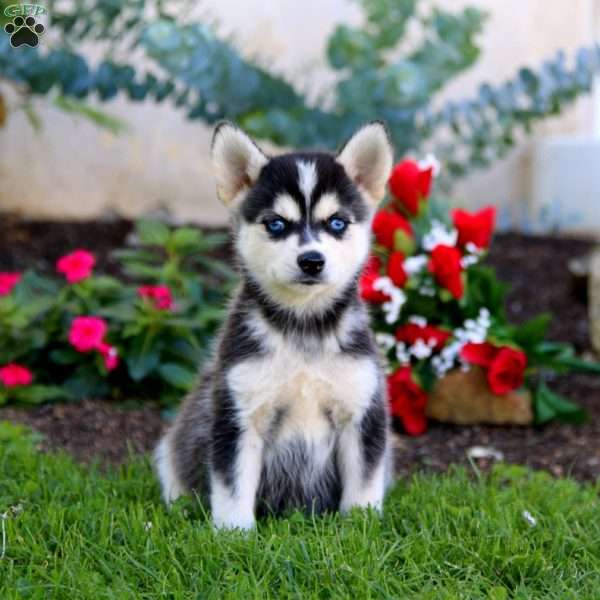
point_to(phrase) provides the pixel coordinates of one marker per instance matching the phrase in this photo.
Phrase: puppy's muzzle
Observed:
(311, 263)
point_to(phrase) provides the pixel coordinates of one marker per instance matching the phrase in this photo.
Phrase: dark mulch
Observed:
(535, 267)
(92, 429)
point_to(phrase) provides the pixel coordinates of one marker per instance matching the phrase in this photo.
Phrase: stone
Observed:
(594, 299)
(464, 398)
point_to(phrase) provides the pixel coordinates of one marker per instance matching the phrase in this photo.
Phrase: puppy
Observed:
(291, 412)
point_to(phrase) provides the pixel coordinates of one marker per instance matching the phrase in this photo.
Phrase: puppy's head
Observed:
(302, 220)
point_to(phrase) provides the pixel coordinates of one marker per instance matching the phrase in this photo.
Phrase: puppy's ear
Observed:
(367, 158)
(236, 160)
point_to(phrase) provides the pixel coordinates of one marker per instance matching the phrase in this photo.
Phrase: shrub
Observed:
(381, 73)
(80, 334)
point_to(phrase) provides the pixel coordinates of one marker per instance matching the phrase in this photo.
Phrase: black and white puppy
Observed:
(291, 412)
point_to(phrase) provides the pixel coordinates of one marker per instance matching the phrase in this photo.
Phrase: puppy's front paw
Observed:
(241, 522)
(347, 504)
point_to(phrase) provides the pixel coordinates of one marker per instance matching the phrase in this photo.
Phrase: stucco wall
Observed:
(74, 170)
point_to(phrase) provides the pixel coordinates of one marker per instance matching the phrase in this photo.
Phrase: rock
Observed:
(465, 398)
(594, 299)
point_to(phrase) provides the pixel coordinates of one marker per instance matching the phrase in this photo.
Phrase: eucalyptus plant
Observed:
(383, 73)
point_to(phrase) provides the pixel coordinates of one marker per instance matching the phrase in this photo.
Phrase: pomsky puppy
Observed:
(291, 412)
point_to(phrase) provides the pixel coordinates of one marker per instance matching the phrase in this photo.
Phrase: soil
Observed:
(536, 268)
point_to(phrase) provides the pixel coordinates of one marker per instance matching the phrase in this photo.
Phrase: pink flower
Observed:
(13, 374)
(8, 282)
(160, 294)
(87, 333)
(76, 266)
(110, 355)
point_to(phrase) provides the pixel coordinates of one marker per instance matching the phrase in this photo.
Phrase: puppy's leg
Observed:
(362, 458)
(236, 469)
(171, 486)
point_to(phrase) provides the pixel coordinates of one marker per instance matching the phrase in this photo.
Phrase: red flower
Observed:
(407, 401)
(411, 332)
(410, 184)
(507, 371)
(13, 374)
(87, 333)
(479, 354)
(446, 268)
(395, 269)
(76, 266)
(160, 294)
(385, 225)
(368, 277)
(476, 228)
(8, 282)
(110, 355)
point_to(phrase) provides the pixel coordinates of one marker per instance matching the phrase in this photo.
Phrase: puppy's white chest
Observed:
(304, 394)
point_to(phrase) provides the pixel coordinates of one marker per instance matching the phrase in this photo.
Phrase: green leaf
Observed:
(185, 239)
(65, 356)
(579, 365)
(153, 233)
(121, 311)
(144, 271)
(532, 332)
(143, 356)
(38, 394)
(86, 382)
(103, 283)
(177, 376)
(98, 117)
(484, 290)
(137, 255)
(550, 406)
(403, 242)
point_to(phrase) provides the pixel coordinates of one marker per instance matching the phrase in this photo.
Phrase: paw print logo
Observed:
(24, 32)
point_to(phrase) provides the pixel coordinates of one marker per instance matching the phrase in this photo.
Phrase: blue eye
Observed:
(275, 226)
(337, 225)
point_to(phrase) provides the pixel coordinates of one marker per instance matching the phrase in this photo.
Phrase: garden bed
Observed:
(535, 267)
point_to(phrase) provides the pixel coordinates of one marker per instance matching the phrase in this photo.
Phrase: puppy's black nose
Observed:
(311, 263)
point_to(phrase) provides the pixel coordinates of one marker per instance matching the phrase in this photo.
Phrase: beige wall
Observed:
(72, 169)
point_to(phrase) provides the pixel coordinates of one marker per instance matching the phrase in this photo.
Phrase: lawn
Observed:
(74, 532)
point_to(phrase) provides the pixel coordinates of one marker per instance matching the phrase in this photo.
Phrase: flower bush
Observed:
(437, 307)
(80, 334)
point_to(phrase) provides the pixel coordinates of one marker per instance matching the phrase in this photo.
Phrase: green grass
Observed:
(79, 533)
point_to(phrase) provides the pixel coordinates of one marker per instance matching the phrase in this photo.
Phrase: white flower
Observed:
(418, 320)
(402, 354)
(420, 350)
(394, 305)
(385, 341)
(439, 234)
(468, 260)
(430, 162)
(474, 249)
(415, 264)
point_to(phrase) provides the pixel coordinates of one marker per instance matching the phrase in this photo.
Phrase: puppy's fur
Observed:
(291, 413)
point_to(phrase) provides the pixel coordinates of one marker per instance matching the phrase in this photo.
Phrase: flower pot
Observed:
(464, 398)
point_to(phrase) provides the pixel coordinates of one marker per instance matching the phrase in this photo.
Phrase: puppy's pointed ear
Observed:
(367, 158)
(236, 160)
